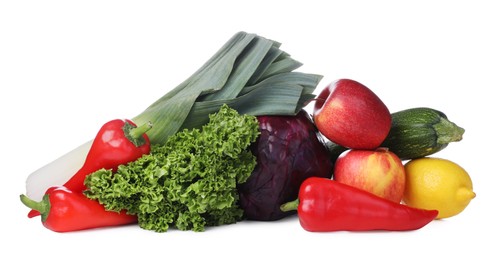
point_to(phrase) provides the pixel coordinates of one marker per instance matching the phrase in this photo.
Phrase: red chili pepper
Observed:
(63, 210)
(328, 205)
(117, 142)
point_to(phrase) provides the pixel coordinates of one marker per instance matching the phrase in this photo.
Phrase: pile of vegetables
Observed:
(249, 73)
(232, 142)
(183, 180)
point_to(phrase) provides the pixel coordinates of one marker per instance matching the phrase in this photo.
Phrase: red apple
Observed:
(378, 171)
(351, 115)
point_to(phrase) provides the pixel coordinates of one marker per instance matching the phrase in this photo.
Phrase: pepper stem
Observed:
(290, 206)
(135, 134)
(42, 206)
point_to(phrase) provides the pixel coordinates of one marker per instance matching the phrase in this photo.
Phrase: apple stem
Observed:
(382, 149)
(315, 99)
(312, 100)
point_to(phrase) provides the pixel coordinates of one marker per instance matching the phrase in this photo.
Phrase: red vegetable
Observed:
(63, 210)
(117, 142)
(327, 205)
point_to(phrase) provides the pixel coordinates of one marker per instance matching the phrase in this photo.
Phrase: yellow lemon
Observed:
(436, 183)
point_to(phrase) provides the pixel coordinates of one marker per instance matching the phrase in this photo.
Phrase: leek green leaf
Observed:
(249, 73)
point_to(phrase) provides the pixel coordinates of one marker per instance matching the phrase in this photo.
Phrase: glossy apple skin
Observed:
(378, 171)
(351, 115)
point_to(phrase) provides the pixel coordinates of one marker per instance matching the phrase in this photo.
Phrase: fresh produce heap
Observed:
(370, 187)
(234, 142)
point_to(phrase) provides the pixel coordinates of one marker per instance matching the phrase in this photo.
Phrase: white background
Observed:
(66, 67)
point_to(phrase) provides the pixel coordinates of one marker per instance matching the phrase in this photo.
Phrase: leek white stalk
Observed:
(56, 172)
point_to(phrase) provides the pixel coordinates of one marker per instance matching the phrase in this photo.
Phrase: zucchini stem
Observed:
(448, 131)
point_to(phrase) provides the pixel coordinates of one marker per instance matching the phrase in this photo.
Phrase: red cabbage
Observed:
(289, 150)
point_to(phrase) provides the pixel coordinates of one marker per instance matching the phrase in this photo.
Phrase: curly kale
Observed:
(190, 181)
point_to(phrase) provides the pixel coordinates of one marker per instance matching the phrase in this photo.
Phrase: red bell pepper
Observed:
(63, 210)
(117, 142)
(327, 205)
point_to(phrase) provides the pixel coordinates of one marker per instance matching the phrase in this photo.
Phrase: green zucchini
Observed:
(416, 132)
(419, 132)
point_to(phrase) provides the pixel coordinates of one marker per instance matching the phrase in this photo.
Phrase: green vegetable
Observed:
(419, 132)
(415, 133)
(190, 181)
(249, 73)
